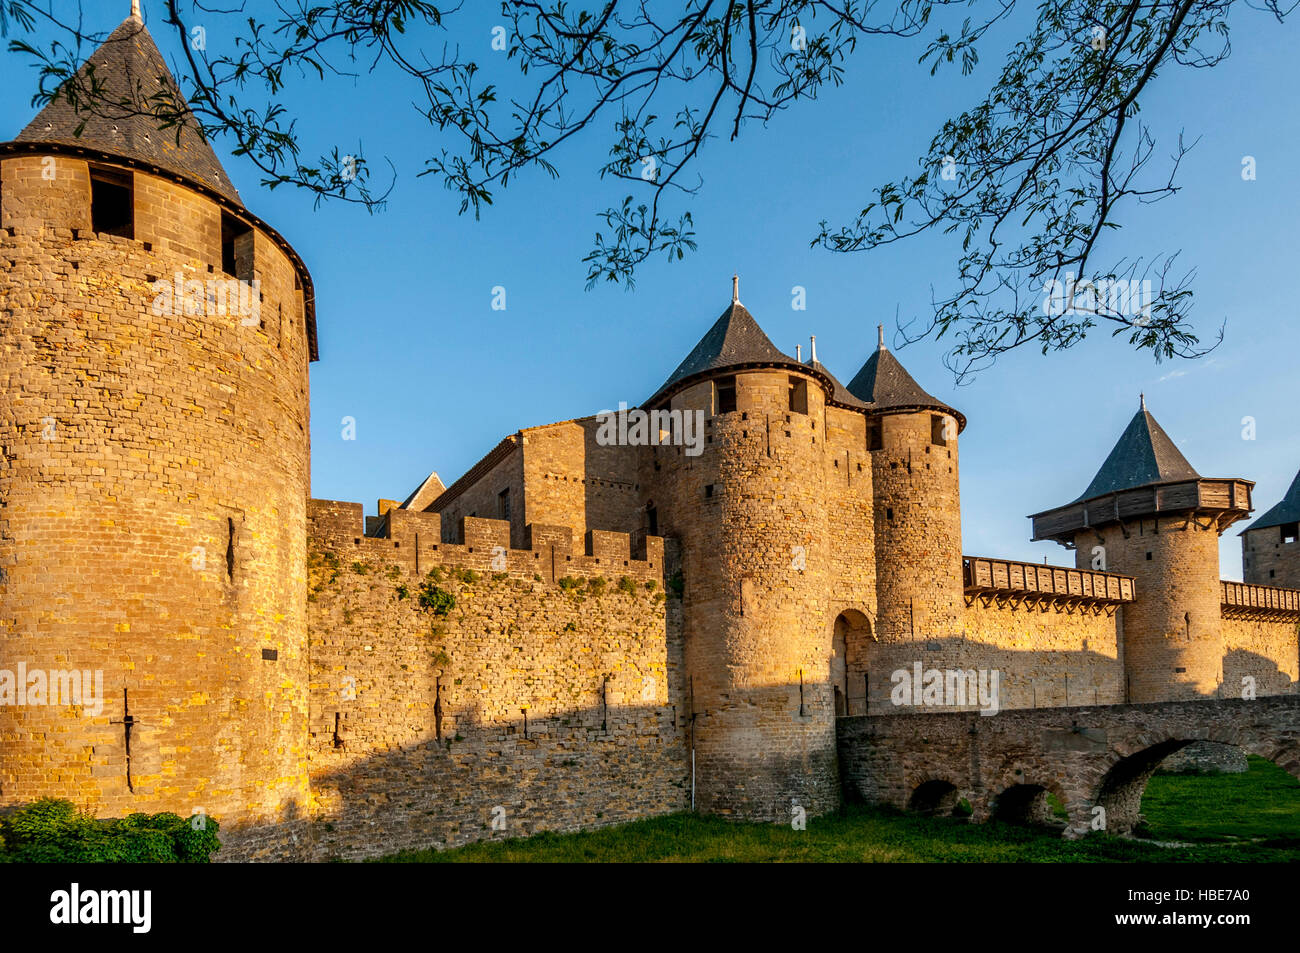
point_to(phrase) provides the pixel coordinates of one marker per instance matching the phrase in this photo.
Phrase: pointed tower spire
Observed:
(1143, 455)
(123, 118)
(884, 384)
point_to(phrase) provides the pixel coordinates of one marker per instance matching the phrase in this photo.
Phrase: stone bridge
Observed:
(1006, 764)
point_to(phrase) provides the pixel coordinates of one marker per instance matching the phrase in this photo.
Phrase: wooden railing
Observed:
(993, 576)
(1245, 599)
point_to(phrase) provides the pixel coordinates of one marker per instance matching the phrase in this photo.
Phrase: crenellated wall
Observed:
(543, 700)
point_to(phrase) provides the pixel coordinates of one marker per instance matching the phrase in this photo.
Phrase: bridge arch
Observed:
(1025, 803)
(1121, 787)
(936, 797)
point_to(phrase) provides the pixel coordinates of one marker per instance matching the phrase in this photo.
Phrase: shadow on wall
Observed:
(573, 770)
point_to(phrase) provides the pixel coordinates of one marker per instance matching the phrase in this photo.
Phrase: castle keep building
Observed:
(603, 619)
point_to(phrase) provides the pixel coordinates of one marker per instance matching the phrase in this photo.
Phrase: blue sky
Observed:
(411, 348)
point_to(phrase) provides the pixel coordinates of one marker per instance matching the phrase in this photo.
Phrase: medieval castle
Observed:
(605, 618)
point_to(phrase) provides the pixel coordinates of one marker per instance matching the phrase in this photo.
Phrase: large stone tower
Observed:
(1149, 515)
(1270, 546)
(913, 438)
(156, 339)
(750, 515)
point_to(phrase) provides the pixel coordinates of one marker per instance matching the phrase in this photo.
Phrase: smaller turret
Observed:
(1148, 514)
(1270, 546)
(912, 437)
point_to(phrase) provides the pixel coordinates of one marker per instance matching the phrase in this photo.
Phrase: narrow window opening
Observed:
(233, 232)
(503, 504)
(724, 395)
(1148, 556)
(889, 514)
(875, 434)
(652, 520)
(112, 203)
(1290, 532)
(798, 395)
(230, 549)
(937, 428)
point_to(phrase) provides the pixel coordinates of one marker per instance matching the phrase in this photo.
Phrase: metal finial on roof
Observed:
(798, 353)
(135, 10)
(880, 330)
(1142, 401)
(735, 289)
(813, 354)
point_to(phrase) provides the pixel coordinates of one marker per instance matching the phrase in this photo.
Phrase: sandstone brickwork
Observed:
(533, 704)
(154, 484)
(578, 631)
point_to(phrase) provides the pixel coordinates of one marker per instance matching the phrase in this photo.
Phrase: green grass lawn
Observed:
(1263, 803)
(1262, 806)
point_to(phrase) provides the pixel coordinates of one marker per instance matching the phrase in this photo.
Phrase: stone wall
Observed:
(1268, 561)
(1267, 651)
(1206, 757)
(1173, 638)
(154, 481)
(1043, 656)
(538, 702)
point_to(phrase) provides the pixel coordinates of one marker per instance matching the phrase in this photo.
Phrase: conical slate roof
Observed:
(884, 384)
(1285, 511)
(129, 77)
(1143, 455)
(735, 340)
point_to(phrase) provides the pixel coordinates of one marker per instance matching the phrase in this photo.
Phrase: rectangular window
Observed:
(938, 428)
(724, 395)
(503, 504)
(798, 395)
(233, 246)
(875, 433)
(112, 202)
(1290, 532)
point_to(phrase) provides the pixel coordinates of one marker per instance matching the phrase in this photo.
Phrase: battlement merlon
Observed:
(413, 540)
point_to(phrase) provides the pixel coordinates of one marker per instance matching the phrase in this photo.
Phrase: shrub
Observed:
(403, 592)
(627, 585)
(650, 585)
(360, 568)
(597, 585)
(54, 831)
(438, 601)
(676, 584)
(570, 582)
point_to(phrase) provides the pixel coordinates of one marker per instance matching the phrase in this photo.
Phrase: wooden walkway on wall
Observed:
(1006, 581)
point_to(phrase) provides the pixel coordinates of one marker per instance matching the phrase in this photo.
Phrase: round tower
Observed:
(750, 514)
(157, 337)
(914, 463)
(1149, 515)
(1270, 546)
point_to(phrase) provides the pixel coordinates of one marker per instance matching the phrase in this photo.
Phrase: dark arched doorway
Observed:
(848, 663)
